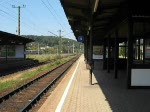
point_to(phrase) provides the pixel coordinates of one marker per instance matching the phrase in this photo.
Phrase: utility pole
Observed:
(60, 42)
(57, 50)
(18, 16)
(38, 48)
(73, 48)
(68, 47)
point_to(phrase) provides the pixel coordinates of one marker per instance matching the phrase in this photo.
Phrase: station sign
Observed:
(81, 39)
(97, 52)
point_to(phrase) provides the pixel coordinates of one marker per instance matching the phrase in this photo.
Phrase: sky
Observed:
(38, 17)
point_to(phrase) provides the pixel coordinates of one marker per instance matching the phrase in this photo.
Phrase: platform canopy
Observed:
(105, 16)
(12, 39)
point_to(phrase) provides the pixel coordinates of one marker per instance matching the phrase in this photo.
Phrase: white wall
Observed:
(19, 51)
(140, 77)
(97, 56)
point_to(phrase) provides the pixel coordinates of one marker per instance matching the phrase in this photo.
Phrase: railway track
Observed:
(23, 98)
(29, 65)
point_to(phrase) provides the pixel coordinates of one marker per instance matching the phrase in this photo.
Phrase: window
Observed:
(10, 50)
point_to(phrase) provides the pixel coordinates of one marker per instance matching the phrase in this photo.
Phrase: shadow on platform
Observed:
(118, 96)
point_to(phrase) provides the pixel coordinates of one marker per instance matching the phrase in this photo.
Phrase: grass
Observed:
(31, 74)
(7, 84)
(43, 58)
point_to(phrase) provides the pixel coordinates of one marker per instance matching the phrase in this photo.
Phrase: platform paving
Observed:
(105, 95)
(84, 97)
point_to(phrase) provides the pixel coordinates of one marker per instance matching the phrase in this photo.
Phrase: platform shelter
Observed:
(12, 47)
(122, 28)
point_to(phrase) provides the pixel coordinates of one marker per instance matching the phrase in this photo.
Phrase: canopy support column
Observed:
(138, 49)
(85, 50)
(144, 29)
(143, 51)
(108, 57)
(104, 55)
(130, 51)
(125, 50)
(116, 55)
(6, 53)
(24, 51)
(88, 52)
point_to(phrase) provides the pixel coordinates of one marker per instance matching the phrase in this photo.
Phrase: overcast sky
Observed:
(37, 18)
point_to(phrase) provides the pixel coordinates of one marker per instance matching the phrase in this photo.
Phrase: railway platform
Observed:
(106, 94)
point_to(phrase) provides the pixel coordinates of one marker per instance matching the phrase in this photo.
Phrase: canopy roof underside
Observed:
(12, 39)
(106, 17)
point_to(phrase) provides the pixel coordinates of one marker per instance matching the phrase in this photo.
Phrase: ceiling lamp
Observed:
(96, 5)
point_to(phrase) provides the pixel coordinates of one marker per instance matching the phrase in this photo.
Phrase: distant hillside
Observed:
(53, 43)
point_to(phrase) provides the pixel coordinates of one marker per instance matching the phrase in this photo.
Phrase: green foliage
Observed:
(30, 74)
(51, 44)
(7, 84)
(43, 58)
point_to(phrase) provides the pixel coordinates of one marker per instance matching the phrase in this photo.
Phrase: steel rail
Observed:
(34, 100)
(7, 96)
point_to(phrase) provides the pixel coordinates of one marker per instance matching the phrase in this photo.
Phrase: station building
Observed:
(12, 50)
(119, 30)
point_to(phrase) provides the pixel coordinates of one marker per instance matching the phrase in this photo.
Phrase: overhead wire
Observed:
(8, 14)
(32, 25)
(33, 15)
(56, 2)
(31, 22)
(52, 14)
(15, 20)
(55, 12)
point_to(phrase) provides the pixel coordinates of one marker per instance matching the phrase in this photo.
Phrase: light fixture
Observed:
(89, 27)
(12, 42)
(96, 5)
(70, 18)
(87, 32)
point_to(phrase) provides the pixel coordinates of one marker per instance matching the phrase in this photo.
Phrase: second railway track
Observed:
(23, 98)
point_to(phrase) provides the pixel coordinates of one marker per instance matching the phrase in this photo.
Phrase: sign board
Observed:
(147, 53)
(147, 48)
(97, 52)
(81, 39)
(140, 77)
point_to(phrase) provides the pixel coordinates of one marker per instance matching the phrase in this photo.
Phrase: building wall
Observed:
(19, 51)
(140, 77)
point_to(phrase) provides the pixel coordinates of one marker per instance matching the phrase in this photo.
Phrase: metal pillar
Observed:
(130, 51)
(108, 58)
(116, 55)
(91, 57)
(138, 49)
(88, 49)
(6, 53)
(85, 50)
(104, 55)
(125, 50)
(91, 47)
(24, 51)
(143, 51)
(144, 29)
